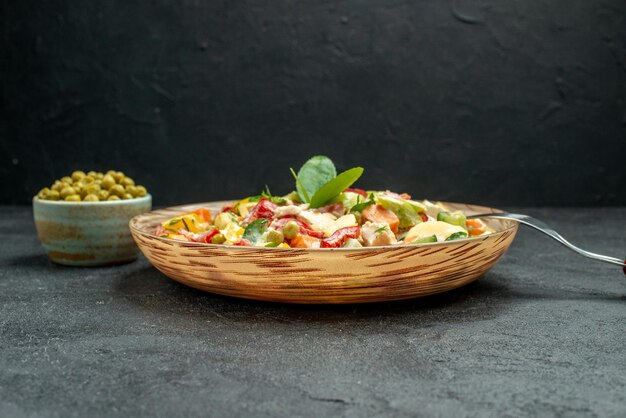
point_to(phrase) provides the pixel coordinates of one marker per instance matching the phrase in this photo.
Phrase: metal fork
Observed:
(546, 229)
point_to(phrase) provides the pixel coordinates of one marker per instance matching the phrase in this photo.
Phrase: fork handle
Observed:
(546, 229)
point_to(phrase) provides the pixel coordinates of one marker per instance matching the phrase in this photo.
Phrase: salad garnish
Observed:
(324, 211)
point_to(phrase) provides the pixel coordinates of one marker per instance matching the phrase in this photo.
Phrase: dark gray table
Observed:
(544, 333)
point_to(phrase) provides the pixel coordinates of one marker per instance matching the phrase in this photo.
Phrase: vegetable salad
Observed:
(324, 211)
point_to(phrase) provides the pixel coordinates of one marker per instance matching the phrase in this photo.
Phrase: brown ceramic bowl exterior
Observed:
(294, 275)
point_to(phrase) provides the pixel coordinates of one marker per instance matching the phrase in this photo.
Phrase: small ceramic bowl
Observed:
(88, 233)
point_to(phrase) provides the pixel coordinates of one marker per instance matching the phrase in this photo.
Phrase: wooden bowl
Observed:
(342, 275)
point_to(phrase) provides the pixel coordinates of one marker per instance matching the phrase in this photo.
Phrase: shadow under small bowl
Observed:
(88, 233)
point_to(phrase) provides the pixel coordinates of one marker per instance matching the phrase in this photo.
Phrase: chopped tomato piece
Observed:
(340, 236)
(377, 213)
(303, 241)
(424, 216)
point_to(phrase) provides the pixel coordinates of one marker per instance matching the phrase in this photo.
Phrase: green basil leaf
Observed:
(254, 231)
(335, 186)
(313, 174)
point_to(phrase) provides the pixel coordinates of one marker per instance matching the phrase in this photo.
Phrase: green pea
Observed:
(72, 198)
(290, 230)
(99, 176)
(141, 191)
(91, 198)
(113, 198)
(92, 174)
(53, 195)
(77, 175)
(132, 190)
(102, 194)
(57, 186)
(218, 239)
(67, 180)
(67, 191)
(127, 196)
(117, 190)
(92, 188)
(43, 193)
(127, 181)
(118, 176)
(274, 236)
(108, 181)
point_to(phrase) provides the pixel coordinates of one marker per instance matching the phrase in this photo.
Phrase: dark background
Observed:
(501, 103)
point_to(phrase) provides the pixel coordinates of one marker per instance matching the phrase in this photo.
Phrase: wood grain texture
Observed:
(356, 275)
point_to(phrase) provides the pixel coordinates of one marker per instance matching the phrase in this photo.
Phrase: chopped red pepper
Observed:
(263, 209)
(424, 216)
(358, 191)
(340, 236)
(304, 228)
(227, 208)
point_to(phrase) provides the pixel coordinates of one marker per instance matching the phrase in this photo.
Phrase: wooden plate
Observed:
(350, 275)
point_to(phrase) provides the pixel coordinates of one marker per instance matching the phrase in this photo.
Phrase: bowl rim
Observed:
(134, 229)
(146, 198)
